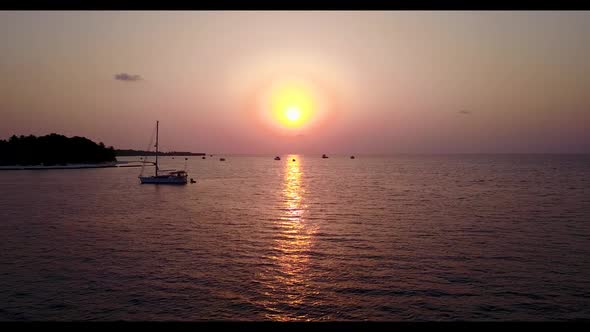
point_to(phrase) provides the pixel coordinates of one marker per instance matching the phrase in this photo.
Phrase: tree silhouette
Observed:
(53, 149)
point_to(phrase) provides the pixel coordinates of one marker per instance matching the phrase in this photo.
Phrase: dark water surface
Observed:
(375, 238)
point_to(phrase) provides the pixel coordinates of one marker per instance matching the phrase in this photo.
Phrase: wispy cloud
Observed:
(465, 112)
(127, 77)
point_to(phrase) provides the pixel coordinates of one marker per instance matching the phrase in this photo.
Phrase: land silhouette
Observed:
(132, 153)
(53, 149)
(59, 150)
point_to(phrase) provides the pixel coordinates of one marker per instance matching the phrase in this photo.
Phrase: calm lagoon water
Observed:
(375, 238)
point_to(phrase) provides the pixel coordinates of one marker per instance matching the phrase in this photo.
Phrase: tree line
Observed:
(53, 149)
(127, 153)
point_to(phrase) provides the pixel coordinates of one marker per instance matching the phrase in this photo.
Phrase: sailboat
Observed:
(172, 177)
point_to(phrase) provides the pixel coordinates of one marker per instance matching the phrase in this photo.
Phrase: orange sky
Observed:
(377, 82)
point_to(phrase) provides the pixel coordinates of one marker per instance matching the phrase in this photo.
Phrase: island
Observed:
(55, 150)
(133, 153)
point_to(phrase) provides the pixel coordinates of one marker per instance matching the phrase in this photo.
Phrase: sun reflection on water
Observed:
(288, 286)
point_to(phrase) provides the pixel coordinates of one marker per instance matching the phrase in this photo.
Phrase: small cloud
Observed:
(127, 77)
(466, 112)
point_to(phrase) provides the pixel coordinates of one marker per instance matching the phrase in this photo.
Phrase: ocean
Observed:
(445, 237)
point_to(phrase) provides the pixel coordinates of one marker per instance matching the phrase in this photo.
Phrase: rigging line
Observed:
(148, 149)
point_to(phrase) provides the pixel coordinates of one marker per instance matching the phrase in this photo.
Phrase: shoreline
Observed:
(68, 166)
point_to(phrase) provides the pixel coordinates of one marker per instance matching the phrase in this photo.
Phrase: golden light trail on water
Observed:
(286, 282)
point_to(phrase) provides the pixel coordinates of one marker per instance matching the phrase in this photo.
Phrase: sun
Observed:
(293, 113)
(292, 105)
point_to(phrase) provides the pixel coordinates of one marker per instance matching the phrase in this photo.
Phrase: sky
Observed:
(382, 82)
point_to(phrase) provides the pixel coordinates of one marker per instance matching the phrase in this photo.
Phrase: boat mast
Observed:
(157, 125)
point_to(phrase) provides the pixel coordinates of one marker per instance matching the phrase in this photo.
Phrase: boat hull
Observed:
(162, 180)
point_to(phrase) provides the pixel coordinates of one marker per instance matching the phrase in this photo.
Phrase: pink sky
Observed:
(395, 82)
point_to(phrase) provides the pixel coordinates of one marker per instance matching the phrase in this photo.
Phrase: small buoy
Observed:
(351, 157)
(203, 157)
(185, 158)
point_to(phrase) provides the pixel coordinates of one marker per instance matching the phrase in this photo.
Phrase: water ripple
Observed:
(400, 238)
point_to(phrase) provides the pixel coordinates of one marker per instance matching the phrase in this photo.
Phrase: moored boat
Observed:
(172, 177)
(177, 177)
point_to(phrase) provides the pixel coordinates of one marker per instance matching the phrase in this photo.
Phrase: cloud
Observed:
(127, 77)
(465, 112)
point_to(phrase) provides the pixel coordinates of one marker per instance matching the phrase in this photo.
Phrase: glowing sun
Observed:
(293, 113)
(292, 105)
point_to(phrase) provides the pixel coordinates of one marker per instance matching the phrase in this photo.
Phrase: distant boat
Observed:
(172, 177)
(277, 158)
(221, 159)
(204, 158)
(324, 156)
(351, 157)
(293, 159)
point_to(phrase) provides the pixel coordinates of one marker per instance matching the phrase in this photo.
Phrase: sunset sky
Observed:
(301, 82)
